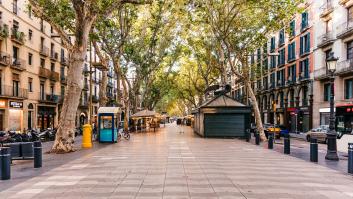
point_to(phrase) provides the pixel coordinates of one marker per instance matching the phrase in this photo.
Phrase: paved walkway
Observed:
(169, 164)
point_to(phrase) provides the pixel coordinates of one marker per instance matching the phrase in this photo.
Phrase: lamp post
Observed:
(331, 154)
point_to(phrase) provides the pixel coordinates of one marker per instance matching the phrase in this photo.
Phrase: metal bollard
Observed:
(257, 138)
(37, 149)
(270, 141)
(5, 162)
(350, 158)
(313, 150)
(286, 148)
(248, 135)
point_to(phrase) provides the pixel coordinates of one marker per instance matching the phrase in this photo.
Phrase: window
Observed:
(305, 23)
(291, 52)
(42, 91)
(30, 34)
(14, 6)
(292, 73)
(51, 29)
(30, 55)
(62, 71)
(292, 28)
(52, 66)
(42, 62)
(350, 15)
(350, 50)
(265, 83)
(30, 11)
(280, 78)
(16, 88)
(30, 85)
(304, 68)
(327, 92)
(273, 44)
(15, 55)
(305, 44)
(273, 62)
(349, 88)
(281, 57)
(42, 25)
(52, 89)
(265, 64)
(328, 26)
(62, 91)
(281, 37)
(272, 80)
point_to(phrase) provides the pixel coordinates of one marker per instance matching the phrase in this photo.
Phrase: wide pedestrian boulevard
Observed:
(174, 163)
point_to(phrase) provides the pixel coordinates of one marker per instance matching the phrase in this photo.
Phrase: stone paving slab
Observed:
(167, 164)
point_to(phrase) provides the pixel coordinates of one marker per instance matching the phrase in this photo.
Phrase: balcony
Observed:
(343, 2)
(4, 31)
(98, 65)
(85, 86)
(321, 74)
(325, 40)
(345, 67)
(290, 81)
(345, 29)
(44, 51)
(86, 70)
(17, 36)
(95, 99)
(110, 84)
(110, 74)
(48, 74)
(54, 56)
(12, 92)
(4, 59)
(49, 98)
(18, 64)
(326, 9)
(303, 76)
(64, 61)
(280, 83)
(83, 104)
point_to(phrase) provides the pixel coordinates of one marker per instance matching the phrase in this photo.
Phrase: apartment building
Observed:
(334, 27)
(33, 70)
(283, 83)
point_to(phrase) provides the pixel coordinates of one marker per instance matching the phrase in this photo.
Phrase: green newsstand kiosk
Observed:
(222, 117)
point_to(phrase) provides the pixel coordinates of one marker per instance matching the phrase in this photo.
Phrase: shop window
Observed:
(349, 88)
(30, 84)
(327, 92)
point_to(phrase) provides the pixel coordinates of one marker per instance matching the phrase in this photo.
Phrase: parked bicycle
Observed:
(124, 134)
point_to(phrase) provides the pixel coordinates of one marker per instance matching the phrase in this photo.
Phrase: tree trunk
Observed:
(65, 135)
(126, 104)
(257, 113)
(103, 89)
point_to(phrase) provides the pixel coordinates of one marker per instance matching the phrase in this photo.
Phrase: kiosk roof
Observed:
(109, 110)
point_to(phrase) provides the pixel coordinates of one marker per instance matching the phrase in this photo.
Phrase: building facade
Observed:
(334, 27)
(33, 70)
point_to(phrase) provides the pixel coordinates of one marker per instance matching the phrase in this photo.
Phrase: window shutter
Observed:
(293, 50)
(308, 43)
(301, 45)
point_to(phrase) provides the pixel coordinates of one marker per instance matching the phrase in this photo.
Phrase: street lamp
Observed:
(331, 63)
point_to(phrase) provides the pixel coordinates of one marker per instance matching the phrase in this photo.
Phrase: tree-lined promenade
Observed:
(166, 53)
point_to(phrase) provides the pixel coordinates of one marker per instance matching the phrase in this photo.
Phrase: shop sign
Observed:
(2, 104)
(292, 109)
(14, 104)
